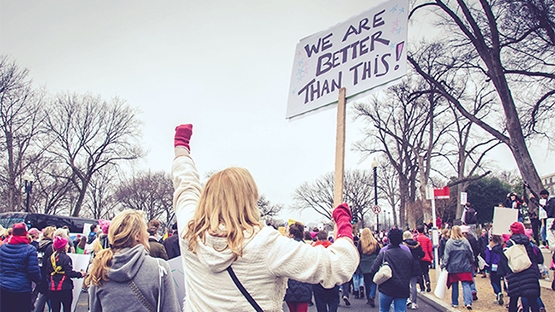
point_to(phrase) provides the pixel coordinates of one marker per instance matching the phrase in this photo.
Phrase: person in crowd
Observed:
(92, 234)
(426, 244)
(493, 254)
(2, 234)
(101, 241)
(483, 242)
(60, 271)
(539, 257)
(34, 233)
(445, 233)
(417, 254)
(156, 249)
(465, 229)
(221, 229)
(515, 202)
(314, 232)
(549, 208)
(123, 277)
(523, 284)
(45, 250)
(298, 294)
(307, 237)
(358, 278)
(171, 244)
(368, 249)
(18, 268)
(65, 234)
(458, 259)
(470, 218)
(80, 248)
(536, 226)
(326, 299)
(397, 288)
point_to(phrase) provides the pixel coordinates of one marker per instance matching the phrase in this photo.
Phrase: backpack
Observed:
(470, 216)
(517, 257)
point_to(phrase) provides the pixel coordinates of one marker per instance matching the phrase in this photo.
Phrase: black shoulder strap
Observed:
(245, 293)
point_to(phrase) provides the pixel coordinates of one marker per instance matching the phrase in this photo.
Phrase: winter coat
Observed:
(268, 258)
(171, 244)
(401, 263)
(492, 258)
(426, 244)
(367, 260)
(45, 248)
(458, 257)
(19, 267)
(157, 250)
(298, 291)
(502, 264)
(525, 283)
(441, 247)
(60, 281)
(133, 266)
(417, 254)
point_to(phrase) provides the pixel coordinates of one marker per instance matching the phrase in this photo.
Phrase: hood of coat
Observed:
(214, 253)
(43, 244)
(126, 263)
(456, 242)
(520, 239)
(411, 243)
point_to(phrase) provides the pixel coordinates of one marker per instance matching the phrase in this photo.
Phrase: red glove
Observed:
(342, 217)
(183, 135)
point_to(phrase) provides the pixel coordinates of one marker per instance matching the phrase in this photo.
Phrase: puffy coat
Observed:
(19, 266)
(401, 263)
(298, 291)
(417, 254)
(57, 282)
(525, 283)
(458, 256)
(426, 244)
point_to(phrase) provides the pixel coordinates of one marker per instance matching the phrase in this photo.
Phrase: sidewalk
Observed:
(485, 296)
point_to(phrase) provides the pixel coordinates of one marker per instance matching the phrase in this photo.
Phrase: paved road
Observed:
(356, 305)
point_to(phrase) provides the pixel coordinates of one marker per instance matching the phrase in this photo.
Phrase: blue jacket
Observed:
(18, 267)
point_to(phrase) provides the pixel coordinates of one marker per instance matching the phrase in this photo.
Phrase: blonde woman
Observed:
(368, 248)
(123, 277)
(458, 259)
(221, 229)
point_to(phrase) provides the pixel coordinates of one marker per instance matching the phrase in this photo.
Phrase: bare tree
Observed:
(101, 203)
(149, 192)
(89, 133)
(20, 126)
(507, 45)
(267, 209)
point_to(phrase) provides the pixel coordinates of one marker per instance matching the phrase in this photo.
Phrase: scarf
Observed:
(14, 240)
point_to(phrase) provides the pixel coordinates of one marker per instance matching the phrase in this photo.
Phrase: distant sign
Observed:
(441, 193)
(376, 209)
(363, 53)
(502, 220)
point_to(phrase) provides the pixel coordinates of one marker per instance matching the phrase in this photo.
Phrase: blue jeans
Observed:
(495, 280)
(526, 305)
(543, 232)
(370, 286)
(467, 293)
(358, 280)
(326, 298)
(399, 304)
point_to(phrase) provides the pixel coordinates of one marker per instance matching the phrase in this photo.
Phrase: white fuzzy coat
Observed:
(268, 260)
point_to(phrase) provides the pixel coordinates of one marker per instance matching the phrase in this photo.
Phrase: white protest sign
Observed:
(502, 220)
(80, 263)
(363, 53)
(176, 267)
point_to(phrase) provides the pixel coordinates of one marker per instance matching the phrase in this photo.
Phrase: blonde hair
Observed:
(48, 232)
(124, 229)
(227, 206)
(407, 235)
(456, 232)
(368, 242)
(61, 232)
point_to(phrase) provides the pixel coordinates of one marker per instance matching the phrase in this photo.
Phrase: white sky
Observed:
(224, 66)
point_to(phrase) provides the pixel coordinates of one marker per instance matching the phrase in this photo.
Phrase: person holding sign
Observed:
(230, 259)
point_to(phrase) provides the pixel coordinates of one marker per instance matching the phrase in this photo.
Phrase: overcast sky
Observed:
(224, 66)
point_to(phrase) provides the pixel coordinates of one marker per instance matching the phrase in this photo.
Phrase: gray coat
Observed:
(458, 256)
(117, 294)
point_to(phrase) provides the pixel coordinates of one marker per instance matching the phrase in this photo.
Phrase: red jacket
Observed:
(325, 243)
(426, 244)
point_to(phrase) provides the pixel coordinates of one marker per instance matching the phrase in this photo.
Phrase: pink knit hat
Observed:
(59, 242)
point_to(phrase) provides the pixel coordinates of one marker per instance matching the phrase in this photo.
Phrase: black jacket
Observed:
(172, 246)
(525, 283)
(298, 291)
(57, 281)
(45, 248)
(417, 254)
(401, 263)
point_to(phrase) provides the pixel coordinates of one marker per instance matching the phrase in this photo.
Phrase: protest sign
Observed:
(176, 268)
(502, 220)
(361, 54)
(80, 263)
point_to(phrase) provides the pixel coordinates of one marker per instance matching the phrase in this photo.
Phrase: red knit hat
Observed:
(19, 229)
(517, 228)
(59, 242)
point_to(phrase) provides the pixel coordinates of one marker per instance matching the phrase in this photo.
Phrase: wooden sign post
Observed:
(339, 149)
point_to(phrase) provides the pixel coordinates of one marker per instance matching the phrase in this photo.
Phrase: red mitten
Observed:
(183, 135)
(342, 217)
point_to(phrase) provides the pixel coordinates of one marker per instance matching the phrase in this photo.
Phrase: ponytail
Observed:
(100, 266)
